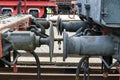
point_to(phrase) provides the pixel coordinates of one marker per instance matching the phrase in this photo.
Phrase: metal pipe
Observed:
(45, 41)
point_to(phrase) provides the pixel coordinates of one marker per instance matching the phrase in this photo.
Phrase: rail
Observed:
(53, 73)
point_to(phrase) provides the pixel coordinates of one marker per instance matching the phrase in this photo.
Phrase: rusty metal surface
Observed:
(16, 22)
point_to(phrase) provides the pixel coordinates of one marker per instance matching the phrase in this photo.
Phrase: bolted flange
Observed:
(49, 41)
(65, 39)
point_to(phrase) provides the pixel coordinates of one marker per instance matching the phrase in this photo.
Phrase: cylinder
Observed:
(45, 41)
(23, 40)
(90, 45)
(72, 26)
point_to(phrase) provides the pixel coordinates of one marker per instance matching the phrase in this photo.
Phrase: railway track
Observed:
(53, 73)
(56, 70)
(53, 70)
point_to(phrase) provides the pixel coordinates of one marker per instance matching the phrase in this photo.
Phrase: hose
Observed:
(38, 64)
(39, 26)
(34, 29)
(79, 66)
(10, 63)
(82, 17)
(86, 69)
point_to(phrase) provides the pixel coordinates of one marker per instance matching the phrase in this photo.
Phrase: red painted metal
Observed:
(15, 68)
(27, 4)
(19, 24)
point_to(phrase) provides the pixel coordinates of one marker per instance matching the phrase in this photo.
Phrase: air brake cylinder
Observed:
(26, 40)
(87, 45)
(71, 26)
(23, 40)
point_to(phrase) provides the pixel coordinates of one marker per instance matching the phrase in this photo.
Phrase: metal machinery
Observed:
(35, 7)
(67, 7)
(97, 34)
(64, 6)
(23, 32)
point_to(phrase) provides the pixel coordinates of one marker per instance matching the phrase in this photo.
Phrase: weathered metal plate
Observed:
(112, 10)
(103, 11)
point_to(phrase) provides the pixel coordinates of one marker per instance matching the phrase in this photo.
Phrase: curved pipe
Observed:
(39, 26)
(38, 64)
(79, 66)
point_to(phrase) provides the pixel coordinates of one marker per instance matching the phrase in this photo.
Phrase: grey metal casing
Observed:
(102, 11)
(90, 45)
(23, 40)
